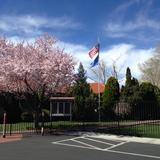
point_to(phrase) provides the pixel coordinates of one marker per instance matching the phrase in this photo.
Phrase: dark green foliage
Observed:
(82, 92)
(110, 96)
(130, 92)
(147, 91)
(46, 117)
(1, 114)
(128, 77)
(143, 98)
(91, 107)
(9, 103)
(134, 82)
(27, 117)
(81, 86)
(81, 75)
(149, 100)
(18, 108)
(157, 93)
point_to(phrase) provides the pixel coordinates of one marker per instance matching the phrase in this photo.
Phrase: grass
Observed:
(26, 126)
(18, 127)
(146, 130)
(140, 130)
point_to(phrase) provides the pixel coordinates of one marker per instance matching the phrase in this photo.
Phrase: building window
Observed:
(54, 108)
(67, 108)
(61, 108)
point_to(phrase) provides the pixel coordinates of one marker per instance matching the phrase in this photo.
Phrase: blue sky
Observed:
(128, 30)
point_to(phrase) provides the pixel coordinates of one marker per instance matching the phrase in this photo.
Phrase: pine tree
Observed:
(139, 97)
(110, 96)
(128, 77)
(130, 92)
(81, 91)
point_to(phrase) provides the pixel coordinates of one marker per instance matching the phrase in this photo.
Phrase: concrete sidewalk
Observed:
(13, 137)
(130, 138)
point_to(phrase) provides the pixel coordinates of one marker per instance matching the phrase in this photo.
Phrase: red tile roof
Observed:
(94, 87)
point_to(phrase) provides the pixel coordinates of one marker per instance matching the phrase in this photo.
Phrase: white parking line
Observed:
(109, 149)
(98, 141)
(111, 138)
(65, 140)
(116, 145)
(134, 154)
(86, 144)
(72, 145)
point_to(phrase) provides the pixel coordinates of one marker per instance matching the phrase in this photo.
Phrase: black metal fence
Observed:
(135, 120)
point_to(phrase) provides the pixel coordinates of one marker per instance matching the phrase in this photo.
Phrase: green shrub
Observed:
(46, 114)
(27, 117)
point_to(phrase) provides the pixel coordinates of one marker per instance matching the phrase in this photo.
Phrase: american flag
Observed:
(94, 51)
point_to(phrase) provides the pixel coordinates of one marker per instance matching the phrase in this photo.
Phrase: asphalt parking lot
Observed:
(63, 147)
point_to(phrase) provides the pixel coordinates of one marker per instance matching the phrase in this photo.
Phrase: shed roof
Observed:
(62, 98)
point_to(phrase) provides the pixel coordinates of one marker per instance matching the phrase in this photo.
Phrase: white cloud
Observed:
(124, 28)
(129, 28)
(124, 6)
(30, 24)
(125, 22)
(125, 55)
(79, 52)
(16, 39)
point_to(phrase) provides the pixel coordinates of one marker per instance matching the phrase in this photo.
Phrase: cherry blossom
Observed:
(38, 67)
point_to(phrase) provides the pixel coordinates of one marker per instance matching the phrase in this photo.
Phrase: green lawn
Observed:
(17, 127)
(146, 130)
(140, 130)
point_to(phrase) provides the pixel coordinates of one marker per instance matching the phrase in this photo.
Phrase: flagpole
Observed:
(99, 96)
(92, 53)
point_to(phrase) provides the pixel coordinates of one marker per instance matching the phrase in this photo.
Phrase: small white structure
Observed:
(61, 106)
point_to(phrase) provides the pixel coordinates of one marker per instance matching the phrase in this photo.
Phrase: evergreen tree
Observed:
(128, 77)
(149, 93)
(110, 96)
(81, 91)
(142, 99)
(130, 92)
(148, 107)
(157, 93)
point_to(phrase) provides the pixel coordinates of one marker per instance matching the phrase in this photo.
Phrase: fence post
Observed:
(42, 127)
(4, 125)
(118, 105)
(50, 114)
(10, 129)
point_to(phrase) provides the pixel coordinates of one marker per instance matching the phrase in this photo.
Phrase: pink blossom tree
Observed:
(37, 68)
